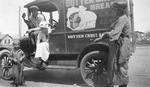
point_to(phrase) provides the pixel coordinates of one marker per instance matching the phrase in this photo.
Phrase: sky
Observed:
(9, 14)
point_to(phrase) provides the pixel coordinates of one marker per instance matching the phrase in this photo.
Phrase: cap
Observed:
(120, 5)
(34, 7)
(43, 24)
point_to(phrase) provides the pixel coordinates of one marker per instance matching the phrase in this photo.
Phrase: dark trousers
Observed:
(18, 76)
(33, 39)
(112, 65)
(111, 60)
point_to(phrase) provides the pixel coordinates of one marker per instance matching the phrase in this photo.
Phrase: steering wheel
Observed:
(54, 23)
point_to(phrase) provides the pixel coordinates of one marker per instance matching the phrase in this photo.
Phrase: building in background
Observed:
(5, 39)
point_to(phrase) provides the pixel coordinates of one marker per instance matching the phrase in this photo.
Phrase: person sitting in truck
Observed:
(33, 22)
(42, 47)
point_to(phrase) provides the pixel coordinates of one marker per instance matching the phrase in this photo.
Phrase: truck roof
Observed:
(44, 5)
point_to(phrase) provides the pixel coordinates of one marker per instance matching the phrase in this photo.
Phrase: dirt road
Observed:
(139, 72)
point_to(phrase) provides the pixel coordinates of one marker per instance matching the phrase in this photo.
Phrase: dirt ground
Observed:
(139, 72)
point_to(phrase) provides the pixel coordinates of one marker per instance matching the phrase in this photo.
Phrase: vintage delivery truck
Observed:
(78, 24)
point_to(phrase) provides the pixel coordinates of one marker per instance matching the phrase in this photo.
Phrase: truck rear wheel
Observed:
(93, 68)
(5, 65)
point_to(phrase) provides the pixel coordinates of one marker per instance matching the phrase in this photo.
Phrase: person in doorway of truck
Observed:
(33, 23)
(17, 56)
(42, 50)
(119, 47)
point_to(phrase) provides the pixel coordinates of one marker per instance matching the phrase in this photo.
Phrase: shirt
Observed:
(17, 54)
(121, 26)
(36, 21)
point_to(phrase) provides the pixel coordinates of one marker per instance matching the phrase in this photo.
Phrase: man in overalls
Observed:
(119, 47)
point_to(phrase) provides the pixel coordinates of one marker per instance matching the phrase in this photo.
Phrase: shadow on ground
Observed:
(55, 76)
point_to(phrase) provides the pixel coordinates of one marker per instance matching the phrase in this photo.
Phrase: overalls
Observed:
(118, 66)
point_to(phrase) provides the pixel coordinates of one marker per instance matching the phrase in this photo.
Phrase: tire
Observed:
(94, 72)
(5, 65)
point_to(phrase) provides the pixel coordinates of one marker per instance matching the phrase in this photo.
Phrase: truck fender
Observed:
(4, 50)
(100, 46)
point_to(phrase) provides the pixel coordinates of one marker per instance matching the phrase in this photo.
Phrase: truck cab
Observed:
(77, 23)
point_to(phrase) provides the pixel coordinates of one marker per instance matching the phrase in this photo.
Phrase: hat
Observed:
(120, 5)
(34, 7)
(43, 24)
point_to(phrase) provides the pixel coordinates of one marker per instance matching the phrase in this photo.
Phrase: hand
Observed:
(29, 31)
(23, 15)
(101, 37)
(14, 60)
(21, 59)
(105, 33)
(98, 39)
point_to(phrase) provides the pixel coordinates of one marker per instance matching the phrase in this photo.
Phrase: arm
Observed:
(40, 18)
(33, 29)
(117, 29)
(28, 22)
(11, 54)
(23, 56)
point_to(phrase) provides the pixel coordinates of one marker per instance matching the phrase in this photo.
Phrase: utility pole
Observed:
(19, 21)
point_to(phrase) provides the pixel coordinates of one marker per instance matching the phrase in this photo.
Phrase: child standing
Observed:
(17, 56)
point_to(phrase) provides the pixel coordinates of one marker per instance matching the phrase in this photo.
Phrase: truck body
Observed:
(78, 24)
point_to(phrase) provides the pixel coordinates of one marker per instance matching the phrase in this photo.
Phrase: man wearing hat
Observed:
(33, 23)
(119, 52)
(36, 17)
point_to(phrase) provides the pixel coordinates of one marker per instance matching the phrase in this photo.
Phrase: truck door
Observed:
(57, 37)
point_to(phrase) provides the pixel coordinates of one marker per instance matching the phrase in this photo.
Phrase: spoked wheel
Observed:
(93, 68)
(5, 66)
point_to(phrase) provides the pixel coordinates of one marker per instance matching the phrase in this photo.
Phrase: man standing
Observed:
(119, 47)
(119, 43)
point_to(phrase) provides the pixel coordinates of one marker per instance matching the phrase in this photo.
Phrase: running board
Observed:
(60, 67)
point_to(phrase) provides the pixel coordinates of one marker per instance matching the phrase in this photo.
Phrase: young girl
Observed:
(17, 56)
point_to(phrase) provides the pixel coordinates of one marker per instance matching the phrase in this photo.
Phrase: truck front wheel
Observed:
(93, 68)
(5, 65)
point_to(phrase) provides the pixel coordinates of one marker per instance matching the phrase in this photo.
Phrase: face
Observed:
(16, 46)
(119, 12)
(34, 12)
(74, 20)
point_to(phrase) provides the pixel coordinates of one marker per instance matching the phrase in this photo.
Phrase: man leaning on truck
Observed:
(119, 47)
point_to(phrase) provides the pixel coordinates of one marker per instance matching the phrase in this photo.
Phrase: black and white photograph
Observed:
(74, 43)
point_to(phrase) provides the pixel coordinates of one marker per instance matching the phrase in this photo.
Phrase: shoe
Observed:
(123, 85)
(37, 66)
(32, 54)
(23, 84)
(41, 68)
(44, 64)
(14, 84)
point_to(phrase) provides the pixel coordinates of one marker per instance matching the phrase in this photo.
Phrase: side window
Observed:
(5, 42)
(8, 41)
(52, 17)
